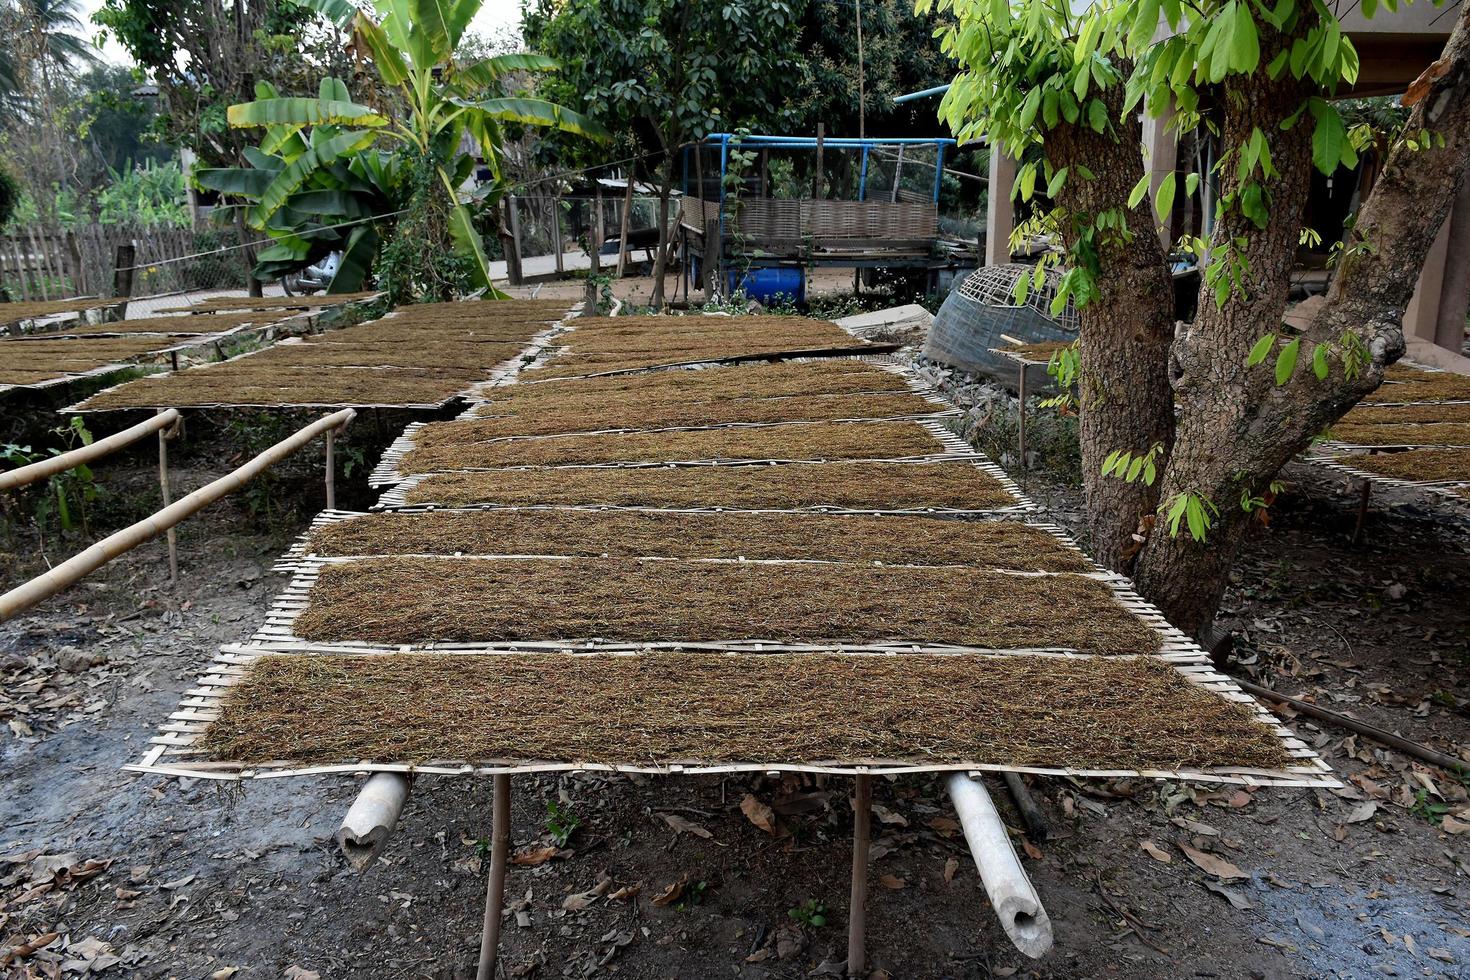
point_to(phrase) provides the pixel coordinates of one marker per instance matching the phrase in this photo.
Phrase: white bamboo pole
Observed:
(24, 475)
(1011, 893)
(857, 913)
(27, 594)
(371, 818)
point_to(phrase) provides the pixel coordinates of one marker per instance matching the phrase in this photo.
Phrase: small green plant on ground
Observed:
(1432, 811)
(67, 494)
(561, 822)
(693, 895)
(811, 913)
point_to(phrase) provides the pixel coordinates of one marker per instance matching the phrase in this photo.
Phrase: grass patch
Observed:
(1415, 464)
(855, 486)
(677, 707)
(890, 540)
(417, 600)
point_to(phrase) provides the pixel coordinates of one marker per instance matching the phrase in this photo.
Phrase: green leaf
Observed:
(1139, 190)
(1195, 513)
(1097, 115)
(1164, 202)
(1245, 42)
(302, 112)
(1319, 362)
(1145, 22)
(537, 112)
(357, 260)
(1260, 350)
(1286, 361)
(1134, 469)
(1191, 184)
(340, 12)
(290, 180)
(1057, 182)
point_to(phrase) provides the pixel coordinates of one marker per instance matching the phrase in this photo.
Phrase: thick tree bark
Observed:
(1125, 401)
(661, 260)
(1237, 428)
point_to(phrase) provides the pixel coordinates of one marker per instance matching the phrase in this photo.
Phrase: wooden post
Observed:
(331, 451)
(75, 267)
(594, 249)
(495, 886)
(1021, 419)
(556, 233)
(897, 174)
(862, 822)
(38, 262)
(122, 275)
(513, 271)
(623, 225)
(711, 259)
(171, 535)
(817, 178)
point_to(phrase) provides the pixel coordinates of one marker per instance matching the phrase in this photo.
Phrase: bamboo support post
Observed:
(495, 886)
(72, 570)
(857, 918)
(372, 817)
(1031, 814)
(167, 495)
(21, 476)
(1021, 419)
(1396, 742)
(1011, 893)
(331, 454)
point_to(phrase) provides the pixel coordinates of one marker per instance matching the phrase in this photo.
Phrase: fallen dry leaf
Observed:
(1363, 811)
(672, 893)
(27, 948)
(1211, 864)
(758, 813)
(1452, 826)
(1157, 853)
(535, 856)
(626, 893)
(944, 826)
(950, 868)
(294, 972)
(224, 973)
(1230, 895)
(1032, 851)
(888, 816)
(682, 826)
(892, 881)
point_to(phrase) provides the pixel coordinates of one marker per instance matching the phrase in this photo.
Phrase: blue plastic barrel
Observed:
(770, 285)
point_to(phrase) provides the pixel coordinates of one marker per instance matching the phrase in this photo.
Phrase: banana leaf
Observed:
(243, 181)
(290, 180)
(357, 260)
(467, 243)
(537, 112)
(488, 71)
(302, 112)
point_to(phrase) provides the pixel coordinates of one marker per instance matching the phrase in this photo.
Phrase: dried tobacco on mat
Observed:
(832, 440)
(838, 376)
(1037, 352)
(638, 415)
(268, 302)
(1423, 465)
(418, 600)
(1412, 434)
(1423, 386)
(664, 708)
(573, 365)
(173, 326)
(1406, 414)
(890, 540)
(853, 486)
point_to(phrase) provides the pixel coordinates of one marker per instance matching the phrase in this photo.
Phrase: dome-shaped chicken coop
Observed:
(982, 311)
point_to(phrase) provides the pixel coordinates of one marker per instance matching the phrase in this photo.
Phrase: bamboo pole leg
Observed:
(1021, 419)
(1364, 496)
(495, 887)
(331, 453)
(1031, 814)
(171, 535)
(857, 917)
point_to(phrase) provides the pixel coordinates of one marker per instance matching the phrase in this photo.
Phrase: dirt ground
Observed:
(119, 875)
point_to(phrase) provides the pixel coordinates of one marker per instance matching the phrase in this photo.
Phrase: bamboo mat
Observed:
(175, 751)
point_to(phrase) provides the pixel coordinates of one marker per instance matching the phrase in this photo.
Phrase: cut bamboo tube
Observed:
(1011, 893)
(24, 475)
(69, 572)
(371, 818)
(167, 497)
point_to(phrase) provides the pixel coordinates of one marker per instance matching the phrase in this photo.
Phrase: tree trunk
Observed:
(1126, 329)
(1237, 427)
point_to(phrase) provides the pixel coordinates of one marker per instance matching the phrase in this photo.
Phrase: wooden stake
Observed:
(331, 469)
(1021, 420)
(170, 534)
(623, 224)
(495, 886)
(862, 822)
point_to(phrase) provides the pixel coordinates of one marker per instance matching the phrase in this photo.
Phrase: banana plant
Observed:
(411, 44)
(315, 190)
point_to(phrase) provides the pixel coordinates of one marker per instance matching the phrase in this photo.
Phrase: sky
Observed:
(493, 18)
